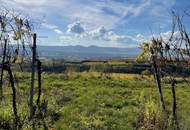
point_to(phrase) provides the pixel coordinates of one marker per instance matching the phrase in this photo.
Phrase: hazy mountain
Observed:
(84, 53)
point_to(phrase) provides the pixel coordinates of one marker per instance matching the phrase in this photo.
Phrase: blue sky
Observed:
(110, 23)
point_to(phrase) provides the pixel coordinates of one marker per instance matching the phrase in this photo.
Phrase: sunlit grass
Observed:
(92, 100)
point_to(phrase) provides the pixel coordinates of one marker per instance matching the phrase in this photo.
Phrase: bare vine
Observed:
(17, 46)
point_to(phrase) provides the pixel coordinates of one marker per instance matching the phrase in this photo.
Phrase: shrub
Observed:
(151, 117)
(146, 72)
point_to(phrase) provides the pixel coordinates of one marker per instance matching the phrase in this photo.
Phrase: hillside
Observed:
(84, 53)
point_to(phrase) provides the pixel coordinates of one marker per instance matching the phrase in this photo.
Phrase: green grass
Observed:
(89, 103)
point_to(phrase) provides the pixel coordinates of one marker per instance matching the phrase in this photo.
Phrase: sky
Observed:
(106, 23)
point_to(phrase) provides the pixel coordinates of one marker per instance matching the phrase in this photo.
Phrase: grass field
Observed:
(93, 101)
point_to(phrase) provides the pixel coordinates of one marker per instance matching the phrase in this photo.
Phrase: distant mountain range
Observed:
(86, 53)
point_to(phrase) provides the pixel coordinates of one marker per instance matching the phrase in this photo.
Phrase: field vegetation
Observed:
(97, 100)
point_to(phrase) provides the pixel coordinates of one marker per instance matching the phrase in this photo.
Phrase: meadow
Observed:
(96, 101)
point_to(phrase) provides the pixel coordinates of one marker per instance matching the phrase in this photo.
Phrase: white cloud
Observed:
(30, 2)
(167, 35)
(99, 36)
(75, 28)
(65, 38)
(52, 27)
(119, 38)
(137, 10)
(58, 31)
(96, 34)
(76, 33)
(102, 33)
(140, 38)
(49, 26)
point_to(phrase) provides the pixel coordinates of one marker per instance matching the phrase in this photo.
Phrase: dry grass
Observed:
(116, 75)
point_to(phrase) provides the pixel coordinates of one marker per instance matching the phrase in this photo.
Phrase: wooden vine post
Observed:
(31, 106)
(39, 67)
(2, 68)
(35, 61)
(14, 104)
(158, 82)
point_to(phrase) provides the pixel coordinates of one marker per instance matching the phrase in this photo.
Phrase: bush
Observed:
(151, 118)
(146, 72)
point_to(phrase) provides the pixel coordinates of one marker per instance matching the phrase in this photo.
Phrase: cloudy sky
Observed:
(110, 23)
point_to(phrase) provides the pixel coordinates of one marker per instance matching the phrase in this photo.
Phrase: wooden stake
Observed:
(39, 82)
(31, 106)
(2, 69)
(14, 105)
